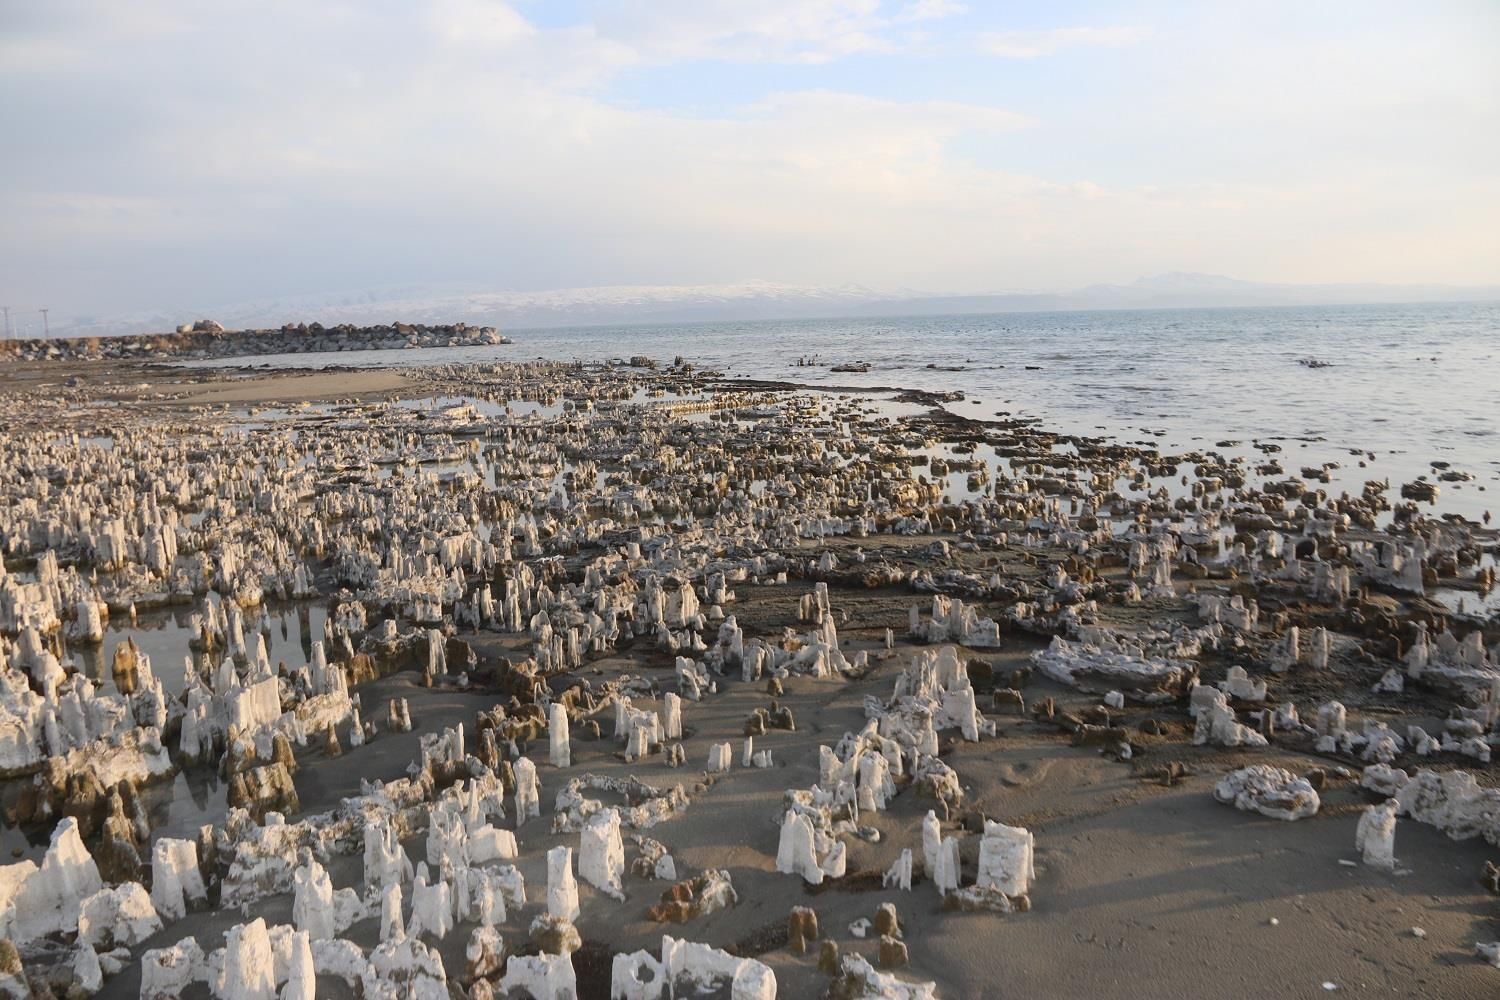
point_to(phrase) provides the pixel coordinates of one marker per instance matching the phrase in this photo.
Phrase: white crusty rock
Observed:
(1006, 859)
(485, 953)
(796, 852)
(1238, 685)
(528, 790)
(312, 902)
(541, 977)
(688, 968)
(1382, 779)
(431, 906)
(1270, 791)
(601, 853)
(559, 743)
(1454, 802)
(301, 973)
(645, 805)
(386, 863)
(48, 899)
(859, 980)
(953, 621)
(562, 888)
(1375, 836)
(176, 882)
(1098, 670)
(1218, 726)
(404, 969)
(118, 917)
(248, 972)
(898, 876)
(168, 972)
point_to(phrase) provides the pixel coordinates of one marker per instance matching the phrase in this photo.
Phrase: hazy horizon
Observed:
(637, 307)
(168, 157)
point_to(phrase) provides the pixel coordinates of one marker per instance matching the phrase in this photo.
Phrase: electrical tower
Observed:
(7, 321)
(46, 330)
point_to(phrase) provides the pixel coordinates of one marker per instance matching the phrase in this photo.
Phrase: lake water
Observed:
(1411, 384)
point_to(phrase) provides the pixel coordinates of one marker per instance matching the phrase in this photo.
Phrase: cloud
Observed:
(1032, 44)
(480, 22)
(269, 148)
(930, 10)
(808, 31)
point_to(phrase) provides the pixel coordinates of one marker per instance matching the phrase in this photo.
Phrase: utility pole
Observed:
(46, 330)
(7, 321)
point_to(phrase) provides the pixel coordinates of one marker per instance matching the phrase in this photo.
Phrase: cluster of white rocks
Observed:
(617, 524)
(1270, 791)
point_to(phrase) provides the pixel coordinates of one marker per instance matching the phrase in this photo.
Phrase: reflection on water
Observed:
(193, 798)
(164, 636)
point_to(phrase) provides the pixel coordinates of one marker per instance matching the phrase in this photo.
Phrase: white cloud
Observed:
(930, 10)
(343, 144)
(1031, 44)
(480, 22)
(771, 30)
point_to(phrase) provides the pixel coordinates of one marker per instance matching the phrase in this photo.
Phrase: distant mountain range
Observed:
(754, 300)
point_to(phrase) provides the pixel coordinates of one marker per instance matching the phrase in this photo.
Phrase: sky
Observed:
(164, 154)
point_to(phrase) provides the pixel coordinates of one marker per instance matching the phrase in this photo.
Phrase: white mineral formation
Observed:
(898, 876)
(485, 953)
(1006, 859)
(948, 873)
(1270, 791)
(1094, 669)
(952, 621)
(176, 883)
(859, 980)
(386, 863)
(559, 745)
(168, 972)
(528, 791)
(1452, 801)
(118, 917)
(601, 853)
(301, 973)
(562, 888)
(541, 977)
(392, 925)
(248, 972)
(1238, 685)
(688, 968)
(796, 853)
(671, 716)
(431, 907)
(46, 900)
(1375, 836)
(312, 903)
(932, 841)
(1217, 725)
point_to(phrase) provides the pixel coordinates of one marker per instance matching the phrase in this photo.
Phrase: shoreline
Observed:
(1134, 871)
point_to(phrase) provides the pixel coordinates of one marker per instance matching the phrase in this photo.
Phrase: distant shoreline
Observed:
(209, 340)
